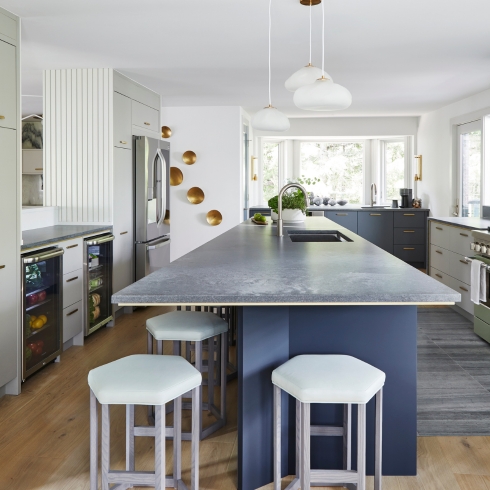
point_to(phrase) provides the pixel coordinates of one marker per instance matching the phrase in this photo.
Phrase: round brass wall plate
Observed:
(310, 2)
(176, 176)
(214, 217)
(166, 132)
(195, 195)
(189, 157)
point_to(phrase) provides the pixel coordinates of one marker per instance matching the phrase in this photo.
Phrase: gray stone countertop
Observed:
(53, 234)
(250, 265)
(470, 223)
(351, 207)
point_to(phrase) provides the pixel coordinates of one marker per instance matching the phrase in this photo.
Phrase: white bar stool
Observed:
(144, 380)
(334, 379)
(195, 326)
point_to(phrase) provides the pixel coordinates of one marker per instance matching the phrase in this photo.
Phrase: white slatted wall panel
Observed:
(78, 144)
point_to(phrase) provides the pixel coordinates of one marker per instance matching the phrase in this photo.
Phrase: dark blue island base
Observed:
(384, 336)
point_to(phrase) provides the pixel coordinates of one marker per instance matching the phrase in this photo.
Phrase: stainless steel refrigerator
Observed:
(152, 205)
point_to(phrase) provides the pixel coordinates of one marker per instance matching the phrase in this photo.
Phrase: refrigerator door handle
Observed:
(43, 256)
(97, 241)
(163, 186)
(158, 244)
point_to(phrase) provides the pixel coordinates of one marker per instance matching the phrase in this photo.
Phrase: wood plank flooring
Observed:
(44, 433)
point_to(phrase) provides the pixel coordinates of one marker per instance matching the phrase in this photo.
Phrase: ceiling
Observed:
(396, 58)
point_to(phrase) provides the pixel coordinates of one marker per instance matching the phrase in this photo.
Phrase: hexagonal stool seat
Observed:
(195, 326)
(144, 380)
(335, 379)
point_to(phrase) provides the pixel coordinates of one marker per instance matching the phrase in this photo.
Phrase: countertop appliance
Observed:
(42, 303)
(406, 195)
(97, 282)
(152, 205)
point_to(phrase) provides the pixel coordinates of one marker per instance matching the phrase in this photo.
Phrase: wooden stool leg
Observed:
(177, 441)
(198, 354)
(160, 447)
(361, 447)
(211, 379)
(378, 470)
(305, 447)
(94, 443)
(129, 437)
(347, 436)
(196, 433)
(106, 446)
(223, 363)
(277, 438)
(298, 440)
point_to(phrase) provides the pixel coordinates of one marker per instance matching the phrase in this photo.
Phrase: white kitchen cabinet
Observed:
(122, 121)
(72, 287)
(8, 86)
(145, 117)
(123, 228)
(32, 162)
(72, 321)
(73, 255)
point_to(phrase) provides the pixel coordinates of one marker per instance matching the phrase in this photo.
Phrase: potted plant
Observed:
(293, 206)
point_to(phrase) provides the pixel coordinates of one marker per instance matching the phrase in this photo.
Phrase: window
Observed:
(339, 166)
(270, 169)
(393, 169)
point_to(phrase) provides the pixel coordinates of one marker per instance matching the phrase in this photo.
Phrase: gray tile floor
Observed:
(453, 375)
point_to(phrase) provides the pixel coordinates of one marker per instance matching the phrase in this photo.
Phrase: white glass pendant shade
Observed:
(304, 76)
(270, 119)
(323, 95)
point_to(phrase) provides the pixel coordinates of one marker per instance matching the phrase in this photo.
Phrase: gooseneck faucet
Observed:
(279, 204)
(373, 199)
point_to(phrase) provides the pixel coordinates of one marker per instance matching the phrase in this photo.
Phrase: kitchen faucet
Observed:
(279, 204)
(373, 199)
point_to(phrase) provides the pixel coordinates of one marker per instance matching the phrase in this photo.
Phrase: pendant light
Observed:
(324, 94)
(306, 75)
(269, 118)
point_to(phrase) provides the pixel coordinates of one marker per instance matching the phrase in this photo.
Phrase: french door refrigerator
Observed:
(42, 303)
(152, 205)
(97, 282)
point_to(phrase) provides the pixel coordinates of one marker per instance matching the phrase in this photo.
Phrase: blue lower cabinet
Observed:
(409, 236)
(410, 253)
(347, 219)
(376, 227)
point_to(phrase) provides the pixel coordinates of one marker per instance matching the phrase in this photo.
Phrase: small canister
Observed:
(472, 245)
(477, 247)
(483, 248)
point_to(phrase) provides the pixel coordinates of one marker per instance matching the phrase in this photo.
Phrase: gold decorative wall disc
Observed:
(176, 176)
(214, 217)
(195, 195)
(189, 157)
(310, 2)
(166, 132)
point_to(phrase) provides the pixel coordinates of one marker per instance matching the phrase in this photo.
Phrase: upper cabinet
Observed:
(8, 86)
(122, 121)
(145, 117)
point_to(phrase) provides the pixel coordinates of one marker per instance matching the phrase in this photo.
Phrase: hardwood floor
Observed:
(44, 433)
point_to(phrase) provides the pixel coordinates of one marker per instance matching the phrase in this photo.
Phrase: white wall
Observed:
(215, 135)
(438, 188)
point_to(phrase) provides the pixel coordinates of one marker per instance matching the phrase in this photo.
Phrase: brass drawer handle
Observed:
(2, 117)
(438, 275)
(438, 252)
(38, 168)
(2, 267)
(408, 231)
(123, 142)
(408, 248)
(72, 279)
(72, 312)
(463, 289)
(439, 228)
(147, 123)
(375, 214)
(341, 214)
(408, 214)
(72, 246)
(464, 261)
(123, 233)
(464, 234)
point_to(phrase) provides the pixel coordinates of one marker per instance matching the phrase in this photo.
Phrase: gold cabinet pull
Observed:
(340, 214)
(438, 228)
(72, 246)
(463, 289)
(375, 214)
(147, 123)
(438, 275)
(2, 117)
(408, 231)
(38, 168)
(408, 248)
(408, 214)
(2, 267)
(72, 279)
(438, 252)
(464, 234)
(123, 233)
(464, 262)
(72, 312)
(123, 142)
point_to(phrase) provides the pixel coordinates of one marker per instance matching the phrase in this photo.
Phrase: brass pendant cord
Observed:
(323, 39)
(270, 28)
(310, 31)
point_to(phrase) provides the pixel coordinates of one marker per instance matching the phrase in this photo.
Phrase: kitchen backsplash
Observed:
(32, 192)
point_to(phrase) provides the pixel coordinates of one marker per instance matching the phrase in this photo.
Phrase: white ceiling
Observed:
(397, 58)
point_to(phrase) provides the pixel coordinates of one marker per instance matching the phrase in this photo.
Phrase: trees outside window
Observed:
(270, 169)
(394, 169)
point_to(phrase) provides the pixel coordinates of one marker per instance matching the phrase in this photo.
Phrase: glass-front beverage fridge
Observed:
(97, 288)
(42, 302)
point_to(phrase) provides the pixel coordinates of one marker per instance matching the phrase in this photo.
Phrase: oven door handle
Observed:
(104, 239)
(43, 256)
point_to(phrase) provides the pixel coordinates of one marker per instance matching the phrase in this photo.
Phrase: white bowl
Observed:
(290, 216)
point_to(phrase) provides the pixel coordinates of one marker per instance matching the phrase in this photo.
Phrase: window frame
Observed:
(382, 194)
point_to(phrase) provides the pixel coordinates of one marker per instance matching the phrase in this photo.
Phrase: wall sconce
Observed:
(252, 168)
(418, 175)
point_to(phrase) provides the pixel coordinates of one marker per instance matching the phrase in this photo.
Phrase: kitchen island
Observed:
(346, 297)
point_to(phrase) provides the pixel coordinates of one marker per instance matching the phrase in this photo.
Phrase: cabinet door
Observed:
(9, 258)
(376, 228)
(32, 161)
(122, 121)
(144, 116)
(123, 219)
(8, 86)
(347, 219)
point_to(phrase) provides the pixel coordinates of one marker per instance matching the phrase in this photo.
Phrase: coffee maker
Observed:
(406, 195)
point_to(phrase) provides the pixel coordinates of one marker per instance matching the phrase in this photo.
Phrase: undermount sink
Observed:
(331, 236)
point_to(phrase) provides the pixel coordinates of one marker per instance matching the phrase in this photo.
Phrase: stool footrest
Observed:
(327, 477)
(294, 485)
(326, 430)
(140, 478)
(149, 431)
